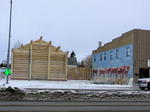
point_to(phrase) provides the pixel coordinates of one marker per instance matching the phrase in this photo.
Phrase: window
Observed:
(111, 55)
(104, 56)
(94, 58)
(128, 51)
(100, 57)
(117, 53)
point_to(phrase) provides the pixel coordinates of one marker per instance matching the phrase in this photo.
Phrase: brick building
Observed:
(124, 59)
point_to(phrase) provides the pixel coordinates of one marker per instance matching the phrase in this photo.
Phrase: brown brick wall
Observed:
(141, 49)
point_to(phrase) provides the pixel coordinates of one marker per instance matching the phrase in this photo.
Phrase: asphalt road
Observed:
(30, 106)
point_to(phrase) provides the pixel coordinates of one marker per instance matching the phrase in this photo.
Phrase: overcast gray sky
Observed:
(75, 25)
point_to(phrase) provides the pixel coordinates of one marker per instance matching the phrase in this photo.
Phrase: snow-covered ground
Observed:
(70, 84)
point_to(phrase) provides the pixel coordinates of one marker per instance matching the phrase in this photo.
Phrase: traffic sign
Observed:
(7, 72)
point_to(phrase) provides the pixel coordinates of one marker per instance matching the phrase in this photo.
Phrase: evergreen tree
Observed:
(72, 54)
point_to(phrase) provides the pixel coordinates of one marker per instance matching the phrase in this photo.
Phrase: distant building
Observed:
(123, 59)
(72, 61)
(74, 72)
(72, 68)
(39, 60)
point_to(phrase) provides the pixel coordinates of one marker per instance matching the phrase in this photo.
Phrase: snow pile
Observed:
(11, 94)
(72, 95)
(88, 96)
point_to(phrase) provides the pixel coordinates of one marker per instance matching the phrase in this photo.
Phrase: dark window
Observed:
(111, 55)
(117, 53)
(128, 51)
(100, 57)
(104, 56)
(94, 58)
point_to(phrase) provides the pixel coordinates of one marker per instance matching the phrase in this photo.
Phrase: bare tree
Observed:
(17, 44)
(87, 61)
(3, 63)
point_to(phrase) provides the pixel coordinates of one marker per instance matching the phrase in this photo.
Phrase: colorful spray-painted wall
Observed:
(114, 66)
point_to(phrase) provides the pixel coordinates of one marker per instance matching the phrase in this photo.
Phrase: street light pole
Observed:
(8, 52)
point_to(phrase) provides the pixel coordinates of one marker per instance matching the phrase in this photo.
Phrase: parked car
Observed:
(144, 83)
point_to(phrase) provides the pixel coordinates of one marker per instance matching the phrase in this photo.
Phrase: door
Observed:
(144, 73)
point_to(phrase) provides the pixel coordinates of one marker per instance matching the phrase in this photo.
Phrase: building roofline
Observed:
(40, 40)
(116, 39)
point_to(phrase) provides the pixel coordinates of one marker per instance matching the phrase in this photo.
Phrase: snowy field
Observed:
(70, 84)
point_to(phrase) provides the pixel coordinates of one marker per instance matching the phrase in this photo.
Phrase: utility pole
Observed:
(8, 52)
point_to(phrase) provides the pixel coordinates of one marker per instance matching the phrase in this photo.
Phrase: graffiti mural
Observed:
(113, 74)
(114, 65)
